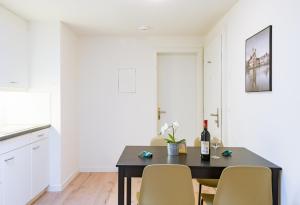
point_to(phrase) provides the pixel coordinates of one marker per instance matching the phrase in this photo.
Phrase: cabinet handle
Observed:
(9, 159)
(13, 82)
(35, 148)
(40, 135)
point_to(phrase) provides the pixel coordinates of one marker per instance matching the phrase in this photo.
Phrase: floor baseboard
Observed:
(61, 187)
(98, 169)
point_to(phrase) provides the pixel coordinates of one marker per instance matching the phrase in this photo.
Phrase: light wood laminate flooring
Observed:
(96, 189)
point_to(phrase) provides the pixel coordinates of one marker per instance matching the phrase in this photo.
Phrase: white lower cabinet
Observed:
(16, 176)
(24, 168)
(39, 167)
(1, 184)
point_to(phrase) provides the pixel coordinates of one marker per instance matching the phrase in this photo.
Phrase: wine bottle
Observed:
(205, 143)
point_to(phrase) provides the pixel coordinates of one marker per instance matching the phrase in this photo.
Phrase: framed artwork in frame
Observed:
(258, 65)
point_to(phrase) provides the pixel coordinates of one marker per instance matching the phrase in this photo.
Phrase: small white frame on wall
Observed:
(126, 80)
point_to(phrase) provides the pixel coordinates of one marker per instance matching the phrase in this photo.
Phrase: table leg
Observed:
(121, 186)
(199, 195)
(275, 187)
(128, 190)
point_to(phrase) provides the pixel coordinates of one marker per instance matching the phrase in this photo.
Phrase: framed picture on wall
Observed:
(258, 67)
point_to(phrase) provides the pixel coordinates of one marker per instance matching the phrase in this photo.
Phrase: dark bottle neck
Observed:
(205, 124)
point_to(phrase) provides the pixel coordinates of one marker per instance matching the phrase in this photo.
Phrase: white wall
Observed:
(45, 77)
(265, 122)
(69, 101)
(53, 64)
(24, 108)
(110, 120)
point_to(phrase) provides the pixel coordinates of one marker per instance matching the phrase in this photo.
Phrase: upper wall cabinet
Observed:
(14, 57)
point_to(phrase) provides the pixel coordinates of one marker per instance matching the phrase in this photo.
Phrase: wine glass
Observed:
(215, 144)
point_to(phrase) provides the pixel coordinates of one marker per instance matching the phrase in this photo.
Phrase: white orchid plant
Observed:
(171, 130)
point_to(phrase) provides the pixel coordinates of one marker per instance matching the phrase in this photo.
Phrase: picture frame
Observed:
(258, 61)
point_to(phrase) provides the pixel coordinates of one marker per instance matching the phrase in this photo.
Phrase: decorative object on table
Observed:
(215, 142)
(203, 181)
(258, 67)
(227, 153)
(205, 143)
(182, 148)
(145, 154)
(173, 144)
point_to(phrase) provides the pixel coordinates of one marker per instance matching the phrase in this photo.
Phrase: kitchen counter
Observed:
(11, 131)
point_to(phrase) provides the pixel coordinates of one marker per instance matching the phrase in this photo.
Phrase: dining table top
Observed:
(240, 157)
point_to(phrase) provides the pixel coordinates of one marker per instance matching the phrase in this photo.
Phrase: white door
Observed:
(16, 176)
(213, 86)
(177, 97)
(39, 167)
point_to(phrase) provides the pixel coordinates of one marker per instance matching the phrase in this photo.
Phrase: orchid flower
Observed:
(175, 125)
(171, 135)
(164, 128)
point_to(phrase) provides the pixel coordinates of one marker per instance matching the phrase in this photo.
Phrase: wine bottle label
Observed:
(204, 147)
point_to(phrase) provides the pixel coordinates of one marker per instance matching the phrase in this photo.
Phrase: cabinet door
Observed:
(1, 183)
(40, 166)
(16, 176)
(13, 51)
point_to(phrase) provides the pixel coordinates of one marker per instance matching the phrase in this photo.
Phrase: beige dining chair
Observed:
(243, 185)
(206, 182)
(158, 141)
(166, 184)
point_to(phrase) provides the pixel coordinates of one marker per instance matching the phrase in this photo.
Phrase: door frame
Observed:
(198, 51)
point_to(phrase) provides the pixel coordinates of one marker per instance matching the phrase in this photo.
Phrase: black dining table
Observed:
(130, 165)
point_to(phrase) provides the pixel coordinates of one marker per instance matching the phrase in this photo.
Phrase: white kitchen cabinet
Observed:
(24, 167)
(14, 63)
(1, 183)
(16, 176)
(39, 167)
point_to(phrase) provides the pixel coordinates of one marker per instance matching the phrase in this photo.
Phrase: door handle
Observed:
(35, 148)
(40, 135)
(218, 116)
(159, 112)
(9, 159)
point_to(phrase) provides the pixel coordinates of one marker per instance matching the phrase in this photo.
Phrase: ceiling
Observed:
(123, 17)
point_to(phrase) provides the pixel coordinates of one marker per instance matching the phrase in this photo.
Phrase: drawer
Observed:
(39, 135)
(14, 143)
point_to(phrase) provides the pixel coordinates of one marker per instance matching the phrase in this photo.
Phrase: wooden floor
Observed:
(95, 189)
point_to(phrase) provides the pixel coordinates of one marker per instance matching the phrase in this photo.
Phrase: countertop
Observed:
(11, 131)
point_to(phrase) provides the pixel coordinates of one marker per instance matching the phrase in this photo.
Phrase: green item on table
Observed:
(145, 154)
(227, 153)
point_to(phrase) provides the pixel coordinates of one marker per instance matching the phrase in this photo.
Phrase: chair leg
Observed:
(199, 196)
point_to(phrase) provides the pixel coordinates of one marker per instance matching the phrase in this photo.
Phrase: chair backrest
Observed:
(167, 185)
(197, 142)
(158, 141)
(244, 185)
